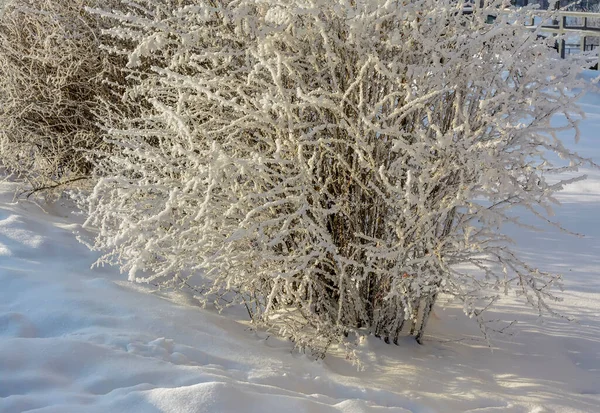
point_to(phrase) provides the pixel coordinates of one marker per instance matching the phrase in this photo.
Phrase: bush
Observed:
(333, 165)
(54, 82)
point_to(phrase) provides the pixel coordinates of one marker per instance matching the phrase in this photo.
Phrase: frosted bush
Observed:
(334, 165)
(54, 79)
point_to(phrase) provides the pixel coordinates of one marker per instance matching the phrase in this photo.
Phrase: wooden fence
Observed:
(559, 27)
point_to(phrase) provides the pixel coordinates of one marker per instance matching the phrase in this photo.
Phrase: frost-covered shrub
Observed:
(333, 164)
(54, 80)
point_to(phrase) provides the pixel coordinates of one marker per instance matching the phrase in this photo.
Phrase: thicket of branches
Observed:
(55, 80)
(334, 165)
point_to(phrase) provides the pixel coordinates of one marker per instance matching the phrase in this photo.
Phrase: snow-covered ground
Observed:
(79, 340)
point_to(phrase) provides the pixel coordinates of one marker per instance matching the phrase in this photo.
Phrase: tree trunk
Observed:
(426, 313)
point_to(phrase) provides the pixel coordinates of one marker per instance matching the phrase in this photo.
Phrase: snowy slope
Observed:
(79, 340)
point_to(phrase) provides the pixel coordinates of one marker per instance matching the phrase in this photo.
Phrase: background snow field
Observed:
(79, 340)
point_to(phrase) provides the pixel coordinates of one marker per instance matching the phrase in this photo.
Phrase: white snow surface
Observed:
(75, 339)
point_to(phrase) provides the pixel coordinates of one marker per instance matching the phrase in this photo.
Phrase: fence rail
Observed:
(559, 27)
